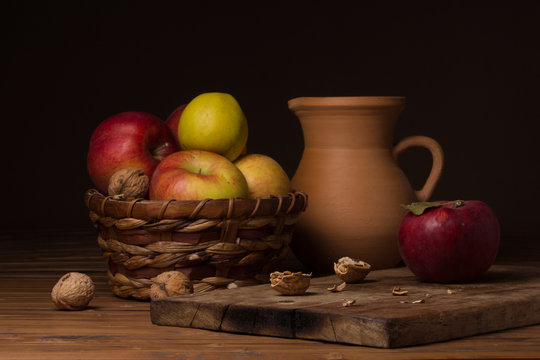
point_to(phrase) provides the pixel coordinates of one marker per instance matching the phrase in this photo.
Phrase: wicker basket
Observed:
(216, 243)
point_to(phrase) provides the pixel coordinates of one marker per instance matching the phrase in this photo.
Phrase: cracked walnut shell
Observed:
(289, 283)
(73, 291)
(351, 270)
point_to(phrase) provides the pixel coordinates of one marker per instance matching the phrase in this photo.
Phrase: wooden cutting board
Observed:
(507, 296)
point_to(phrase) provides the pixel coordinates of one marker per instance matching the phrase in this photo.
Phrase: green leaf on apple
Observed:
(418, 208)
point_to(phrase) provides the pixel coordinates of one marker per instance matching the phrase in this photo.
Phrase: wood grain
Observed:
(114, 328)
(508, 296)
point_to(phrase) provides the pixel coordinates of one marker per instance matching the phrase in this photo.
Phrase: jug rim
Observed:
(345, 101)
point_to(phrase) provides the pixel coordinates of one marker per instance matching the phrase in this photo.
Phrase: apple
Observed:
(133, 139)
(197, 175)
(213, 122)
(449, 242)
(172, 122)
(264, 175)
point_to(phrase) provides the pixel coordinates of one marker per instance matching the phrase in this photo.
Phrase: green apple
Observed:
(197, 175)
(213, 122)
(264, 175)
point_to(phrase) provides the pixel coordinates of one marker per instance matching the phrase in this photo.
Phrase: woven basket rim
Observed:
(292, 203)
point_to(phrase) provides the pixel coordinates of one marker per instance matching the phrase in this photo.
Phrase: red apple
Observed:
(197, 175)
(172, 122)
(449, 242)
(132, 139)
(264, 175)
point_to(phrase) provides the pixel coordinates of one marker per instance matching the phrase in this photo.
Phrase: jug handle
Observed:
(437, 165)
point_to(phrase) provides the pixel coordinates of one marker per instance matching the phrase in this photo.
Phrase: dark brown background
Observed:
(470, 73)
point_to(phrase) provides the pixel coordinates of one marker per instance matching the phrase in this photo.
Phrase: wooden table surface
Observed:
(114, 328)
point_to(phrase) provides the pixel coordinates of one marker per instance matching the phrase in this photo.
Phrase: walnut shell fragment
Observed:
(397, 291)
(289, 283)
(337, 288)
(351, 270)
(73, 291)
(170, 283)
(129, 184)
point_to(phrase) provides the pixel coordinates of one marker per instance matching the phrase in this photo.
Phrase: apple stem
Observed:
(156, 152)
(458, 203)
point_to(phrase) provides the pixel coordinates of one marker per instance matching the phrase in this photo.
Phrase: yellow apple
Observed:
(196, 175)
(213, 122)
(264, 175)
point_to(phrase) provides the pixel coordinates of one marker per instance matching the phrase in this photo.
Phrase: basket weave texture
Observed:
(217, 243)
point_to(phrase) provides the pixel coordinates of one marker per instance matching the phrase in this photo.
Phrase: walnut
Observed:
(350, 270)
(290, 283)
(170, 283)
(129, 184)
(73, 291)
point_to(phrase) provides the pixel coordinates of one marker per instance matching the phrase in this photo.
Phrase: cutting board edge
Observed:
(386, 332)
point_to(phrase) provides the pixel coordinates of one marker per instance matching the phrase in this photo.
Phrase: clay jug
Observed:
(349, 171)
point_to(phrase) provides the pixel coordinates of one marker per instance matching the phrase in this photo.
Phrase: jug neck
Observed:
(348, 123)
